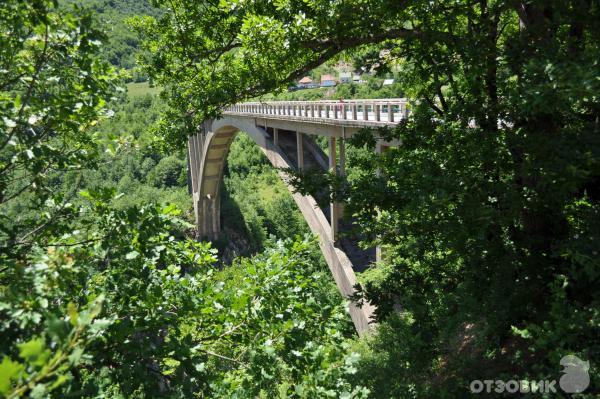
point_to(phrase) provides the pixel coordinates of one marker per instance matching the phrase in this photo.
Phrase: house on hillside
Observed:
(356, 79)
(345, 77)
(388, 82)
(328, 81)
(306, 82)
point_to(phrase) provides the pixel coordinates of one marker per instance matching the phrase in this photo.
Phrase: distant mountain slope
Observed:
(123, 42)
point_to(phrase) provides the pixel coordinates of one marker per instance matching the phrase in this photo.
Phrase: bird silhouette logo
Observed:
(576, 377)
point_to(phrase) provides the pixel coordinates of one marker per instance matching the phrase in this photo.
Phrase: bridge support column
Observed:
(379, 251)
(342, 164)
(208, 216)
(300, 149)
(334, 206)
(342, 156)
(275, 136)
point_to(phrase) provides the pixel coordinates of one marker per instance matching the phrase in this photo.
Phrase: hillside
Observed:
(122, 43)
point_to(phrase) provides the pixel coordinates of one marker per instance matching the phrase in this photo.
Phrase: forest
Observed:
(488, 213)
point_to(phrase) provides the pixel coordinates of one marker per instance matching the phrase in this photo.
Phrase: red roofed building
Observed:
(305, 81)
(327, 81)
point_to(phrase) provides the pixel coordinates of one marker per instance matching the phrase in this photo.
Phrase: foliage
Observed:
(122, 45)
(158, 307)
(169, 172)
(371, 89)
(289, 329)
(137, 167)
(46, 57)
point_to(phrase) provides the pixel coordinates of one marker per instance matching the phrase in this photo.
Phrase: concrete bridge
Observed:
(283, 131)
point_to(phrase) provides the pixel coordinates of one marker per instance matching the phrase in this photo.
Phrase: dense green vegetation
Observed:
(122, 44)
(372, 89)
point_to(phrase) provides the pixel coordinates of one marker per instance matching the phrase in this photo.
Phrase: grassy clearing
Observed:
(141, 89)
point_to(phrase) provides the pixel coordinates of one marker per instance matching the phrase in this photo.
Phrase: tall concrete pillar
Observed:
(335, 210)
(275, 136)
(300, 150)
(208, 215)
(380, 148)
(342, 156)
(189, 174)
(342, 164)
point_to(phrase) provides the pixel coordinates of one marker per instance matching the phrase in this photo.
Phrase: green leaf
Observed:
(34, 352)
(73, 313)
(75, 356)
(38, 392)
(9, 371)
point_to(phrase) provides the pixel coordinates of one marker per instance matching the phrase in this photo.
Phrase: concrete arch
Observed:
(211, 149)
(207, 156)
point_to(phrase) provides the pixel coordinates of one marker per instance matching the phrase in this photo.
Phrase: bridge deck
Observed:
(357, 113)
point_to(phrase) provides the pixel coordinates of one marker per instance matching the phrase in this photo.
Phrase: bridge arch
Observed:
(207, 154)
(212, 149)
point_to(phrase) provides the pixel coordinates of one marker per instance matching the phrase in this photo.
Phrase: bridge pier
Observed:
(300, 150)
(208, 216)
(336, 207)
(342, 164)
(380, 148)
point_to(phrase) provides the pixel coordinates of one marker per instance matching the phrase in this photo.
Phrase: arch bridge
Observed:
(284, 130)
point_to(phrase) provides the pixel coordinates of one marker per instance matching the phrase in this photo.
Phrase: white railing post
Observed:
(390, 112)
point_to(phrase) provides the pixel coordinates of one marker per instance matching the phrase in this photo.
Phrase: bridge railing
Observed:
(376, 111)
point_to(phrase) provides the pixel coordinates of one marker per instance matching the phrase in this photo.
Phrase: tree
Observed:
(489, 209)
(44, 127)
